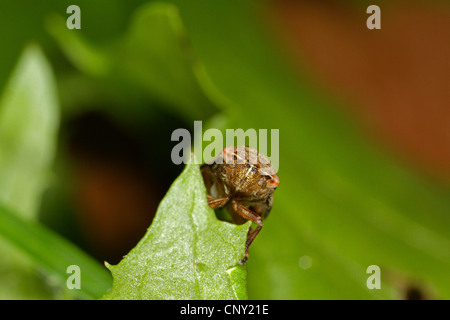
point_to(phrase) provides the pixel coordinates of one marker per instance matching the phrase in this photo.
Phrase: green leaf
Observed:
(53, 254)
(28, 128)
(29, 120)
(186, 253)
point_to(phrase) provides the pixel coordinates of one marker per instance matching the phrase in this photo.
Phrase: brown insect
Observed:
(244, 180)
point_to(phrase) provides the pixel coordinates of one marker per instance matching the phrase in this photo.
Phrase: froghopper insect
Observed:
(243, 180)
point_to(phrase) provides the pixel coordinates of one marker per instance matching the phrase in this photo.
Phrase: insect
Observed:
(243, 180)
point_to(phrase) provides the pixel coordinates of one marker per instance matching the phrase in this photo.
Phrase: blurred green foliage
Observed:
(29, 118)
(343, 203)
(28, 126)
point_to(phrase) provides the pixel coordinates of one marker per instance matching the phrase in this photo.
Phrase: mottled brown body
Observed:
(244, 180)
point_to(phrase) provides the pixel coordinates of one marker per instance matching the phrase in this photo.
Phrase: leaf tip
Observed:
(238, 276)
(108, 265)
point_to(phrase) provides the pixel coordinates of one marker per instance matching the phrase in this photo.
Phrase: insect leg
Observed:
(216, 202)
(237, 218)
(249, 215)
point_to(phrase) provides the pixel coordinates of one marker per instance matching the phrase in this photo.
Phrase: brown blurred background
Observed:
(397, 79)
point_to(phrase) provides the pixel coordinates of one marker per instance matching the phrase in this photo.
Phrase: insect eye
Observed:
(254, 169)
(273, 182)
(247, 165)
